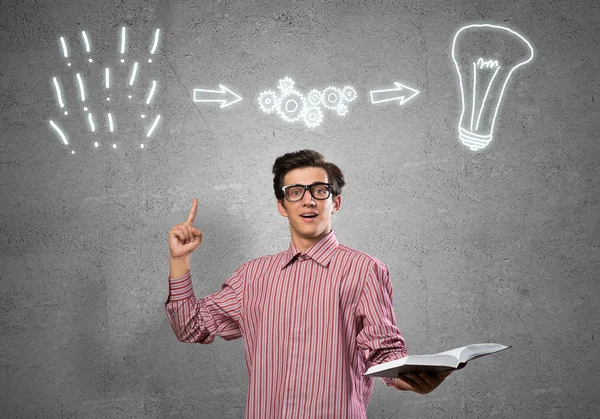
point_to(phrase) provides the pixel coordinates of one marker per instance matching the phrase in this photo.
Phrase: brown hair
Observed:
(306, 158)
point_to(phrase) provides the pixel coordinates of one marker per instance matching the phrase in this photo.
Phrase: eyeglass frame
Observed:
(308, 188)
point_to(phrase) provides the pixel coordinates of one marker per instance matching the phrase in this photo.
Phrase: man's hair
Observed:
(306, 158)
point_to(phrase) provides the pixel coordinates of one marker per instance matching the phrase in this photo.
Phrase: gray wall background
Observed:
(500, 245)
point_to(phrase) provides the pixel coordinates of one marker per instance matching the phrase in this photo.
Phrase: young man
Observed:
(313, 317)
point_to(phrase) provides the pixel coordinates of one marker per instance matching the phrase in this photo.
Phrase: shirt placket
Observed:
(294, 326)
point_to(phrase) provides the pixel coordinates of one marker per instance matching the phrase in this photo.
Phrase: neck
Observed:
(305, 243)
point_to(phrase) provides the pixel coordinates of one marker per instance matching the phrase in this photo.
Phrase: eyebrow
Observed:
(309, 184)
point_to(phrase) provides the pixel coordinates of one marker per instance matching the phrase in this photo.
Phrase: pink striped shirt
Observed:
(312, 324)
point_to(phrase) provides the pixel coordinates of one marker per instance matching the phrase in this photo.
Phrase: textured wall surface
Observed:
(498, 245)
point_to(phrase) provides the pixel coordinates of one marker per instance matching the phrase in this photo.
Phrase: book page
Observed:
(476, 350)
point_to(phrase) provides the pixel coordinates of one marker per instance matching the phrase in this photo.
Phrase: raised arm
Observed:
(192, 319)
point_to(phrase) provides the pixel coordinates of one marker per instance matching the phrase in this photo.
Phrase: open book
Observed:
(435, 363)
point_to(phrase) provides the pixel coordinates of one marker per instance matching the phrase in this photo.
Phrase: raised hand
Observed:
(184, 238)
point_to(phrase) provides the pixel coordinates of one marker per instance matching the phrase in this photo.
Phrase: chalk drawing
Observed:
(138, 91)
(292, 105)
(485, 57)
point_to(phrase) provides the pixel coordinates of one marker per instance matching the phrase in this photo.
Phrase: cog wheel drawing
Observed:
(268, 101)
(332, 97)
(341, 109)
(292, 106)
(315, 97)
(313, 117)
(349, 93)
(286, 85)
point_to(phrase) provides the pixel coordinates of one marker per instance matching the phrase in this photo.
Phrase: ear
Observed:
(337, 202)
(281, 209)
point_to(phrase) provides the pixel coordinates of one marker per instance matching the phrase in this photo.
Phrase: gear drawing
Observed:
(286, 85)
(292, 106)
(332, 97)
(349, 93)
(315, 97)
(313, 117)
(268, 101)
(341, 109)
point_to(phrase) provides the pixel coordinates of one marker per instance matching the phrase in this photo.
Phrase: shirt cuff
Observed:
(390, 381)
(180, 288)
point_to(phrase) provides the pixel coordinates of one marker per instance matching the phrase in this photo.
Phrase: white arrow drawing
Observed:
(389, 95)
(224, 96)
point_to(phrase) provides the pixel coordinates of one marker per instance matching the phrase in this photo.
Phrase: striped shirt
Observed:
(312, 324)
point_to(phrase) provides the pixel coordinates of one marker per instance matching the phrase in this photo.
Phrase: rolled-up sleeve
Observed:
(200, 320)
(379, 338)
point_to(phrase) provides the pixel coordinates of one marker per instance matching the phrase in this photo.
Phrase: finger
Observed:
(192, 214)
(432, 380)
(401, 384)
(421, 382)
(189, 236)
(180, 234)
(412, 385)
(196, 234)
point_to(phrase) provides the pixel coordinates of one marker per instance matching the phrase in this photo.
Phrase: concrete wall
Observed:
(499, 245)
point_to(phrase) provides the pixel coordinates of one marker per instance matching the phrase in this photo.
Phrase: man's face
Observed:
(302, 228)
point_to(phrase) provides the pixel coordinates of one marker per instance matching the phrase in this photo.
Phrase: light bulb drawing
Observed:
(93, 89)
(485, 57)
(293, 106)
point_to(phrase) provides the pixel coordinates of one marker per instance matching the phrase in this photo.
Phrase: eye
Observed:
(295, 192)
(321, 190)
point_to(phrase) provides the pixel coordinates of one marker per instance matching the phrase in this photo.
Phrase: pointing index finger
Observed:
(192, 214)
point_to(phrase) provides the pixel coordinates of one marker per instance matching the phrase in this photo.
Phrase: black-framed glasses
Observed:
(318, 190)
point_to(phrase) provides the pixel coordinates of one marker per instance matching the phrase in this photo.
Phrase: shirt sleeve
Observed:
(379, 338)
(200, 320)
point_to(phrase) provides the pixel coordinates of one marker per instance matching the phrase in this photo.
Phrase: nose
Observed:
(310, 198)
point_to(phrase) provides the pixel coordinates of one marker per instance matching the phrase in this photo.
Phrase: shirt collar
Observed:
(321, 252)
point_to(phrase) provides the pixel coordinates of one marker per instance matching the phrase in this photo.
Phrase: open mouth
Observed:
(309, 216)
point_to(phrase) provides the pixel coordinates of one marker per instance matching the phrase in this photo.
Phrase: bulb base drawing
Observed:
(472, 140)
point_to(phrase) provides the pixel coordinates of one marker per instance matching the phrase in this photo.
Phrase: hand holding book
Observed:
(421, 383)
(434, 364)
